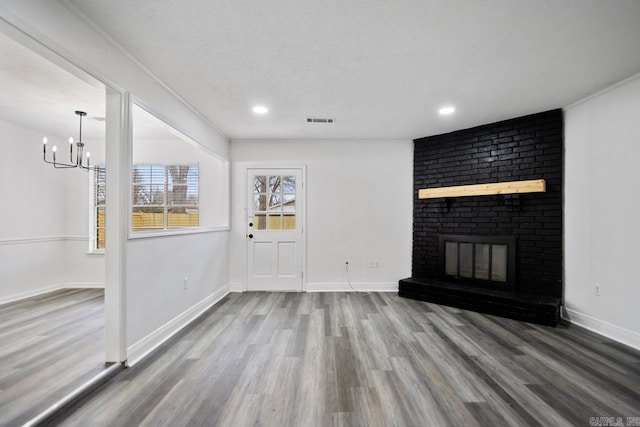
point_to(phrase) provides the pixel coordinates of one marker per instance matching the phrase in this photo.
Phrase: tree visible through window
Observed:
(274, 202)
(163, 197)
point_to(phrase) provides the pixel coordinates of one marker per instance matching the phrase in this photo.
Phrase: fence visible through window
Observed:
(163, 197)
(274, 198)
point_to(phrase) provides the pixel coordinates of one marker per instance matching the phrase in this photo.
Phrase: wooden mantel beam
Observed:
(532, 186)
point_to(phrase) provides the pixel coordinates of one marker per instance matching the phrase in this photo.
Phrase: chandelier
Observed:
(79, 152)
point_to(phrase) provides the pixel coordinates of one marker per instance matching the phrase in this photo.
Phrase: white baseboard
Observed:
(146, 345)
(357, 287)
(29, 294)
(85, 285)
(236, 287)
(609, 330)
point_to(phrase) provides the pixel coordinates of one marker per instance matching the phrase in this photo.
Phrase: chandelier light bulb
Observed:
(70, 140)
(88, 154)
(55, 148)
(44, 140)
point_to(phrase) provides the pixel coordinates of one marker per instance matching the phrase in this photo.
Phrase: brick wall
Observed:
(524, 148)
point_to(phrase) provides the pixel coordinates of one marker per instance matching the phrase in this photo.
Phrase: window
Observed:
(99, 207)
(163, 197)
(274, 202)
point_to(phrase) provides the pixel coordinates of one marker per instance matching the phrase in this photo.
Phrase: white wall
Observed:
(213, 174)
(602, 210)
(359, 207)
(146, 261)
(44, 237)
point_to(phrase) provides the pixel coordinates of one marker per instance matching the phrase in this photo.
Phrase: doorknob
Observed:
(251, 236)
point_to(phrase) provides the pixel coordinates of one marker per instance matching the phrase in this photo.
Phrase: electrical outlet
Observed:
(186, 282)
(597, 289)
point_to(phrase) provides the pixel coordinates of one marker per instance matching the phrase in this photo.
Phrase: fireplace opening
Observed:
(482, 260)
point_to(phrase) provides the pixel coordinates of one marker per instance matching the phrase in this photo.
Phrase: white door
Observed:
(274, 230)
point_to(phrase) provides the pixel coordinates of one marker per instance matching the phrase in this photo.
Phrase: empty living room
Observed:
(319, 213)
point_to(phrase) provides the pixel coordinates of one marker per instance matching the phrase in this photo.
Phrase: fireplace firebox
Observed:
(479, 260)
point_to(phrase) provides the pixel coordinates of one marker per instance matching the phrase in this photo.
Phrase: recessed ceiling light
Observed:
(446, 110)
(259, 109)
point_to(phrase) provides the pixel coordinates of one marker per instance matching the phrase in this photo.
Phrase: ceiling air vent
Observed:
(316, 120)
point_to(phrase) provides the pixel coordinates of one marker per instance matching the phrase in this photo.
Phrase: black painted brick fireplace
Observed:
(524, 148)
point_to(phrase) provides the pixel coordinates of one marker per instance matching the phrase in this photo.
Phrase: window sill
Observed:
(96, 252)
(135, 235)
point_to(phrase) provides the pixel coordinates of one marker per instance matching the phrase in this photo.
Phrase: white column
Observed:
(118, 163)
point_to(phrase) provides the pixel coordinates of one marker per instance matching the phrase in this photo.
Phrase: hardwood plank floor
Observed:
(319, 359)
(49, 345)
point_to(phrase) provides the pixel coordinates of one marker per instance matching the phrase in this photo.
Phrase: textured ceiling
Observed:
(40, 95)
(381, 69)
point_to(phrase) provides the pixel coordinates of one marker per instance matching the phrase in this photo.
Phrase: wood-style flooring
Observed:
(49, 345)
(320, 359)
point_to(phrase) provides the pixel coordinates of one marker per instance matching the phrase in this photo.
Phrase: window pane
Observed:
(182, 185)
(100, 238)
(148, 184)
(289, 222)
(482, 261)
(260, 202)
(289, 184)
(100, 187)
(466, 260)
(274, 184)
(275, 222)
(289, 203)
(451, 259)
(100, 227)
(260, 222)
(260, 184)
(275, 203)
(499, 263)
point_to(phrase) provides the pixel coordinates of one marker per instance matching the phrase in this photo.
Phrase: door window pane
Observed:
(274, 184)
(288, 184)
(275, 203)
(260, 221)
(289, 222)
(259, 202)
(275, 222)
